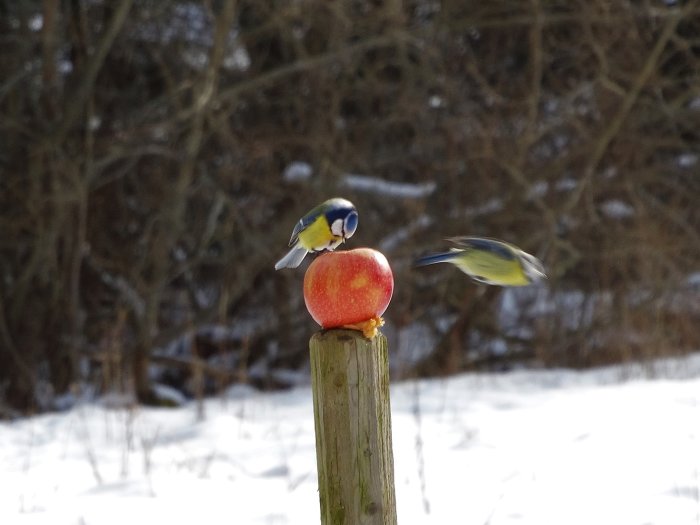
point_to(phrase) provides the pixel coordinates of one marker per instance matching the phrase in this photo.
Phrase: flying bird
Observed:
(490, 261)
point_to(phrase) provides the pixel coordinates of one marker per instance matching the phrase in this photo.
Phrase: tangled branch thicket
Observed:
(154, 156)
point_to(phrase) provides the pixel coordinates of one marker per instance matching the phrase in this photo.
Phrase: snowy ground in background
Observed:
(546, 447)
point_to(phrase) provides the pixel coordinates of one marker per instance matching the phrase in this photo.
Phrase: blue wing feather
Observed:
(493, 246)
(304, 223)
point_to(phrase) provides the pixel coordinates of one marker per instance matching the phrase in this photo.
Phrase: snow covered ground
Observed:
(609, 446)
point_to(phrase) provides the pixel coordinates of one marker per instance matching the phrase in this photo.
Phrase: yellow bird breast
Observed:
(493, 269)
(317, 236)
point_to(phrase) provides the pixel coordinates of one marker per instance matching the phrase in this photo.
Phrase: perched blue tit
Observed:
(490, 261)
(323, 228)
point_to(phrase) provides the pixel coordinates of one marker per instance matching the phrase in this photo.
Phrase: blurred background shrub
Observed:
(155, 155)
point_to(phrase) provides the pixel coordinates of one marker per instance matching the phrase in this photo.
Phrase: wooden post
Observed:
(350, 380)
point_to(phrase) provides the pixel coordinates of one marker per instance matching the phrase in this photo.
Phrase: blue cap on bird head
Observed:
(350, 224)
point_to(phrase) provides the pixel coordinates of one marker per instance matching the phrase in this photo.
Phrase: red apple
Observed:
(348, 287)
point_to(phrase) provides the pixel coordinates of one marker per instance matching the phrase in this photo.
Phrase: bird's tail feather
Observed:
(436, 258)
(292, 259)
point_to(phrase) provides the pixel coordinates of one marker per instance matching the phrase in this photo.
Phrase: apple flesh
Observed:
(348, 287)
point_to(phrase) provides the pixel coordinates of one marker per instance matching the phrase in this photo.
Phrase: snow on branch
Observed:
(406, 190)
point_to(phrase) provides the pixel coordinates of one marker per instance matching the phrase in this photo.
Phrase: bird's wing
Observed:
(496, 247)
(304, 223)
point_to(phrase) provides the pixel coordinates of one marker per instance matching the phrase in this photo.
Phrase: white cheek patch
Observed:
(337, 227)
(532, 267)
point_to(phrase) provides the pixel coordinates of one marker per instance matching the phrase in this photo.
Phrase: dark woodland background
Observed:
(155, 155)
